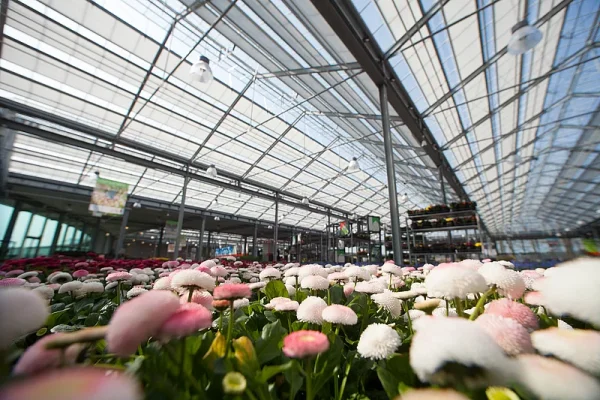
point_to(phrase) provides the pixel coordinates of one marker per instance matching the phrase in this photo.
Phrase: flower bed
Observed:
(171, 330)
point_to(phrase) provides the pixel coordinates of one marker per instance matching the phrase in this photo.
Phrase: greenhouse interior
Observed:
(300, 199)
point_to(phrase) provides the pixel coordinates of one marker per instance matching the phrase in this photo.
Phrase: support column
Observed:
(444, 200)
(96, 235)
(245, 251)
(208, 244)
(276, 228)
(61, 218)
(122, 231)
(9, 230)
(321, 259)
(328, 236)
(82, 237)
(180, 219)
(160, 242)
(391, 173)
(201, 240)
(254, 241)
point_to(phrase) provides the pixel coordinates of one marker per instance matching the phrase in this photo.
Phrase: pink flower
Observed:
(218, 270)
(80, 273)
(6, 282)
(119, 276)
(75, 384)
(507, 332)
(34, 279)
(37, 358)
(189, 318)
(21, 311)
(14, 272)
(204, 269)
(517, 311)
(82, 264)
(232, 291)
(339, 314)
(201, 297)
(138, 319)
(302, 344)
(348, 289)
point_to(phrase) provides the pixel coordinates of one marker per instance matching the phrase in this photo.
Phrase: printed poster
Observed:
(109, 197)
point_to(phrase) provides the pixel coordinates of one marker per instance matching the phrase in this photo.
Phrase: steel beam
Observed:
(545, 18)
(394, 145)
(391, 175)
(351, 115)
(186, 180)
(3, 15)
(351, 29)
(271, 146)
(413, 30)
(310, 70)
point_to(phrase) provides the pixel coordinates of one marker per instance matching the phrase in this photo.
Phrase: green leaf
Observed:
(92, 319)
(294, 377)
(394, 371)
(42, 331)
(54, 317)
(267, 347)
(500, 393)
(301, 295)
(271, 370)
(276, 289)
(337, 294)
(57, 307)
(83, 304)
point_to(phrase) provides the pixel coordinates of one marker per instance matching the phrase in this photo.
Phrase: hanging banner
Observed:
(109, 197)
(374, 224)
(344, 228)
(225, 251)
(171, 248)
(590, 247)
(170, 230)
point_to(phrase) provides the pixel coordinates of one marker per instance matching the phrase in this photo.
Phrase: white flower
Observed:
(378, 341)
(162, 283)
(369, 287)
(192, 279)
(257, 285)
(563, 325)
(509, 282)
(572, 289)
(338, 277)
(406, 295)
(218, 270)
(21, 312)
(292, 271)
(441, 312)
(441, 343)
(414, 315)
(540, 271)
(451, 282)
(135, 292)
(388, 302)
(276, 301)
(472, 264)
(59, 277)
(575, 346)
(310, 270)
(270, 273)
(92, 287)
(371, 269)
(390, 268)
(111, 285)
(311, 309)
(314, 282)
(357, 273)
(240, 303)
(287, 306)
(140, 278)
(45, 291)
(550, 379)
(70, 287)
(339, 314)
(506, 264)
(27, 275)
(134, 271)
(291, 290)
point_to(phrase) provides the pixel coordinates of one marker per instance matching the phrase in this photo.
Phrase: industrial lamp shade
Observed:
(403, 198)
(524, 38)
(305, 201)
(353, 165)
(211, 171)
(201, 71)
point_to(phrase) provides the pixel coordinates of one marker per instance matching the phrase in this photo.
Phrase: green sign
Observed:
(374, 224)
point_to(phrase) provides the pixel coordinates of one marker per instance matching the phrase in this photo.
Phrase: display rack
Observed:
(425, 247)
(355, 240)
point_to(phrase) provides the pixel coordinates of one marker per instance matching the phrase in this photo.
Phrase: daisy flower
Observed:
(339, 314)
(21, 311)
(70, 287)
(508, 333)
(287, 306)
(433, 394)
(119, 276)
(550, 379)
(268, 274)
(314, 282)
(369, 287)
(388, 302)
(517, 311)
(12, 282)
(378, 341)
(311, 309)
(191, 279)
(578, 347)
(189, 318)
(454, 282)
(232, 291)
(135, 292)
(393, 269)
(508, 282)
(162, 283)
(305, 344)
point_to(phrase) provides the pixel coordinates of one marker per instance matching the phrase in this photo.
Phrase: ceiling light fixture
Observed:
(211, 171)
(524, 38)
(423, 143)
(353, 165)
(305, 201)
(403, 198)
(217, 219)
(201, 71)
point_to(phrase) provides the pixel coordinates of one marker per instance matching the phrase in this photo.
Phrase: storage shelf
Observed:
(443, 215)
(450, 252)
(447, 228)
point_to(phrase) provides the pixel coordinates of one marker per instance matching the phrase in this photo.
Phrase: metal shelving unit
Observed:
(367, 242)
(418, 237)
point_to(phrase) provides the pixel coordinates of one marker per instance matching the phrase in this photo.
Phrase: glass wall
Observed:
(35, 231)
(543, 249)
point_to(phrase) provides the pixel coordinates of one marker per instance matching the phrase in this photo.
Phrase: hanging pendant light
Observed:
(353, 165)
(404, 198)
(201, 71)
(423, 143)
(524, 38)
(211, 171)
(305, 201)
